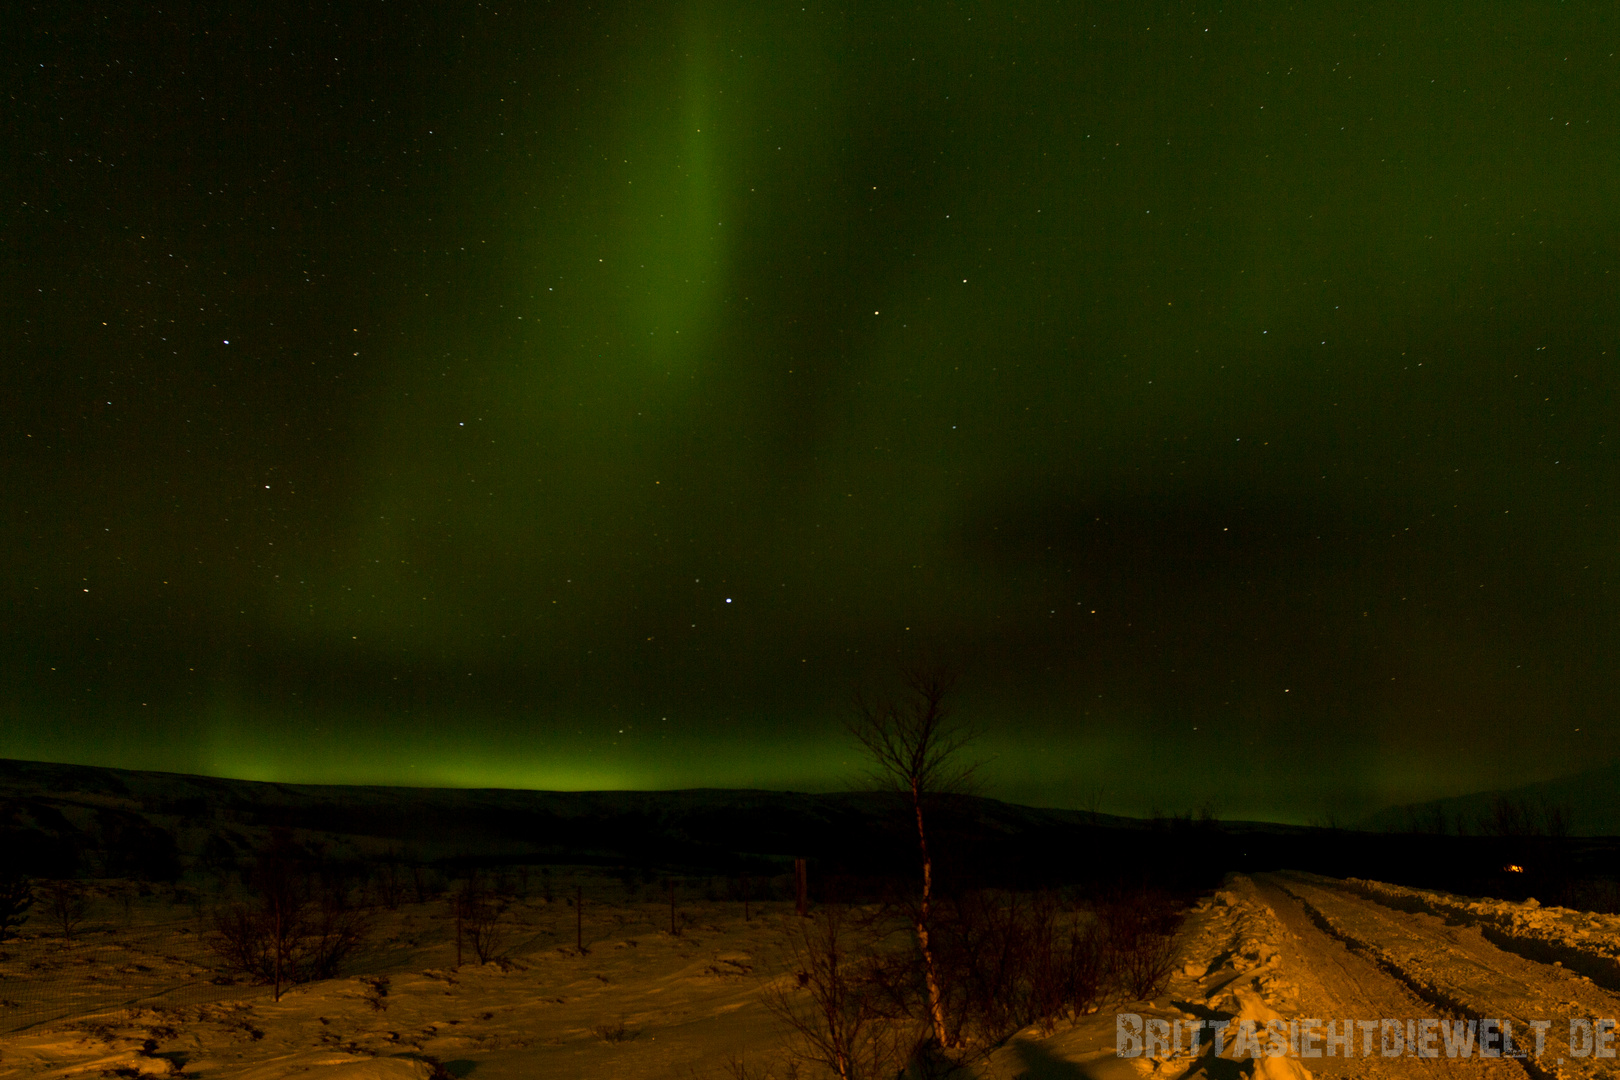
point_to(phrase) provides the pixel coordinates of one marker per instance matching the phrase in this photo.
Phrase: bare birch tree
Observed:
(916, 747)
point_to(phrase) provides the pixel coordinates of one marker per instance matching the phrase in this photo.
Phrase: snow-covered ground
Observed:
(136, 994)
(1584, 941)
(638, 1002)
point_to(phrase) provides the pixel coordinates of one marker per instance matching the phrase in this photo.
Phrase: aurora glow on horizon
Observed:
(572, 399)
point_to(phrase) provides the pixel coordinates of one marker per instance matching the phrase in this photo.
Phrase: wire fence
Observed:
(131, 946)
(107, 964)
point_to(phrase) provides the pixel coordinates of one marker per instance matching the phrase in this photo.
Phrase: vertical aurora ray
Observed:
(672, 223)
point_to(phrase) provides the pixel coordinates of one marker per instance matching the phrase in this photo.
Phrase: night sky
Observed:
(591, 396)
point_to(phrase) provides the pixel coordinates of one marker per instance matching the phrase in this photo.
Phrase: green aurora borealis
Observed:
(567, 396)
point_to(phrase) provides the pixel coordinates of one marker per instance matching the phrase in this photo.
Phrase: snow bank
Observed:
(336, 1067)
(1582, 941)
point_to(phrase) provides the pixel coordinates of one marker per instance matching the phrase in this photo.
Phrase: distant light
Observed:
(1512, 869)
(728, 599)
(227, 341)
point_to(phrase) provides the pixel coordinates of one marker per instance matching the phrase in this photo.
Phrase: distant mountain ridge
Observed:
(1591, 799)
(60, 819)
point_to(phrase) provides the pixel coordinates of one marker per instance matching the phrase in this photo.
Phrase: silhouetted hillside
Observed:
(65, 820)
(1590, 799)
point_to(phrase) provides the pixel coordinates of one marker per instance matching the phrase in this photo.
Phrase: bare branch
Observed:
(913, 740)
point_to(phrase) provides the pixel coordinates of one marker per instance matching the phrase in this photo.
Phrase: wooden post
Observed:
(280, 945)
(801, 886)
(579, 918)
(458, 901)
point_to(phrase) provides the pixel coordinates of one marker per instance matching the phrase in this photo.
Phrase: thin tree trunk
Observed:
(936, 1003)
(279, 943)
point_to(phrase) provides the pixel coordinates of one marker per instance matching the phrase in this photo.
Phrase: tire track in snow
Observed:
(1456, 968)
(1341, 982)
(1581, 941)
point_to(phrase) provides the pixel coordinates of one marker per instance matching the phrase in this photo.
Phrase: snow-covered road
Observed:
(1421, 967)
(1451, 966)
(1335, 980)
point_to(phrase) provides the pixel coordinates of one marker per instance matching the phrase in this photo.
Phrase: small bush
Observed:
(481, 915)
(839, 1004)
(377, 992)
(1140, 942)
(1008, 960)
(295, 930)
(66, 905)
(16, 897)
(614, 1033)
(439, 1072)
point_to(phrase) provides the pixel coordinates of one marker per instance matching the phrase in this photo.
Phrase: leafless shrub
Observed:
(1140, 941)
(66, 905)
(294, 930)
(834, 1004)
(437, 1069)
(1555, 819)
(1009, 960)
(377, 992)
(424, 884)
(739, 1067)
(1431, 820)
(1520, 818)
(281, 942)
(16, 897)
(614, 1033)
(984, 950)
(478, 916)
(1065, 964)
(484, 927)
(389, 883)
(239, 941)
(1083, 986)
(339, 932)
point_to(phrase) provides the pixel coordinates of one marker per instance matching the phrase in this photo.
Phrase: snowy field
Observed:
(135, 993)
